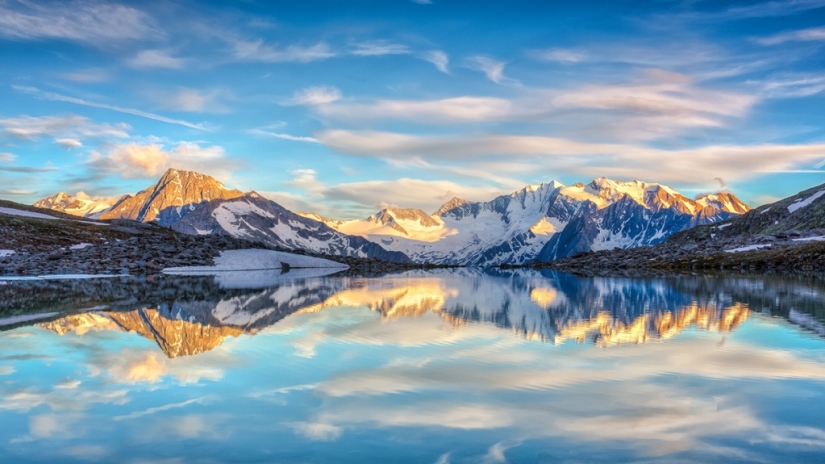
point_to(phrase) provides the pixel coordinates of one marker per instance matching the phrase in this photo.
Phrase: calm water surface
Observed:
(464, 366)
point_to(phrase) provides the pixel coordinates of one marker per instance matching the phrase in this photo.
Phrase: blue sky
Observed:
(340, 107)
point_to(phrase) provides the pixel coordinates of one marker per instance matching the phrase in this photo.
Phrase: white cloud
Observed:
(90, 22)
(88, 76)
(792, 86)
(317, 431)
(17, 192)
(538, 153)
(803, 35)
(57, 97)
(259, 51)
(457, 109)
(305, 179)
(438, 58)
(139, 161)
(378, 48)
(70, 127)
(7, 157)
(427, 195)
(314, 96)
(492, 68)
(156, 59)
(659, 104)
(68, 144)
(193, 100)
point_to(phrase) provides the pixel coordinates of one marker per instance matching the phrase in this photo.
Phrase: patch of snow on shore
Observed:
(20, 212)
(80, 246)
(256, 259)
(748, 248)
(820, 238)
(62, 277)
(724, 225)
(4, 253)
(799, 204)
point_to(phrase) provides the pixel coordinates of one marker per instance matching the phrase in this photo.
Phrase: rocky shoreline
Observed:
(791, 252)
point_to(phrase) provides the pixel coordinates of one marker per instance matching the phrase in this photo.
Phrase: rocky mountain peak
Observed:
(406, 214)
(455, 202)
(176, 194)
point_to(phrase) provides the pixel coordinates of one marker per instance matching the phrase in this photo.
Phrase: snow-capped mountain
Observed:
(545, 222)
(413, 224)
(254, 217)
(173, 197)
(79, 205)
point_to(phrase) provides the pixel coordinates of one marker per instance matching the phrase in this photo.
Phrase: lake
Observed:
(450, 366)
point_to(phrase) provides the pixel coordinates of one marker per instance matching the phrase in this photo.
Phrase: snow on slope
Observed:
(802, 203)
(22, 213)
(256, 259)
(253, 217)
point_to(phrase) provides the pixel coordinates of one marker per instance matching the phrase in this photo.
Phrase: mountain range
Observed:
(543, 222)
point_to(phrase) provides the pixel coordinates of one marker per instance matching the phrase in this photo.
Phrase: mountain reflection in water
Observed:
(542, 306)
(448, 367)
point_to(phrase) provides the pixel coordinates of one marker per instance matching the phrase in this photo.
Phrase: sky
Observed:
(342, 107)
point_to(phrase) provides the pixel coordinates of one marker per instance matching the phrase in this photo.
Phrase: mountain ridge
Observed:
(538, 222)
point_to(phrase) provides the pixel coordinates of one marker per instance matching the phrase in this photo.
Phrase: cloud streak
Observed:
(134, 112)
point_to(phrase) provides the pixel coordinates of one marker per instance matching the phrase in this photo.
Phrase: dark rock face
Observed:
(632, 223)
(255, 218)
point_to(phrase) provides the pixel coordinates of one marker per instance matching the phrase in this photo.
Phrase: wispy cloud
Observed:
(68, 127)
(277, 135)
(156, 59)
(7, 157)
(492, 68)
(88, 76)
(438, 58)
(559, 55)
(144, 114)
(378, 48)
(296, 53)
(89, 22)
(659, 104)
(518, 153)
(803, 35)
(459, 109)
(314, 96)
(17, 192)
(791, 86)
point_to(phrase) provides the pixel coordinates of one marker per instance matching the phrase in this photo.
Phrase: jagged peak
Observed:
(405, 214)
(454, 202)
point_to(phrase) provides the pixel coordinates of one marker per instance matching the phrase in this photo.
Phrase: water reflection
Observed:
(542, 306)
(462, 366)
